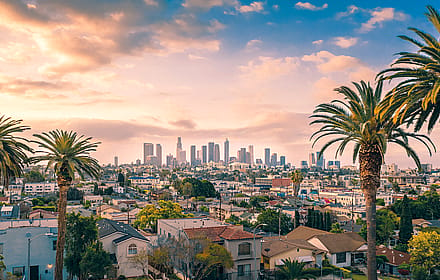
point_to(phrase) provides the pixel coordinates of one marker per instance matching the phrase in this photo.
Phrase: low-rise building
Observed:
(36, 239)
(122, 242)
(40, 188)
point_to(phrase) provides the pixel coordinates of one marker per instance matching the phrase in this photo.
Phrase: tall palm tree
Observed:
(67, 153)
(415, 98)
(296, 177)
(356, 120)
(292, 270)
(12, 149)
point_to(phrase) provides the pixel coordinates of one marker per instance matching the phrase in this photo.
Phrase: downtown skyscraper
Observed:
(148, 151)
(267, 156)
(210, 151)
(226, 150)
(159, 154)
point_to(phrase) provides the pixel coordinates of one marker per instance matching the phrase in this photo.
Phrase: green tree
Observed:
(336, 228)
(13, 152)
(95, 261)
(200, 187)
(81, 232)
(67, 153)
(406, 228)
(356, 119)
(271, 218)
(149, 215)
(33, 176)
(211, 261)
(74, 194)
(424, 249)
(415, 97)
(291, 270)
(387, 222)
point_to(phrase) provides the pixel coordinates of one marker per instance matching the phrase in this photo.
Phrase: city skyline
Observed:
(151, 70)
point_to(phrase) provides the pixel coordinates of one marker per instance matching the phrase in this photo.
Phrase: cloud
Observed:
(309, 6)
(207, 4)
(253, 44)
(345, 42)
(98, 33)
(328, 62)
(350, 10)
(267, 68)
(318, 42)
(185, 124)
(323, 90)
(380, 15)
(252, 7)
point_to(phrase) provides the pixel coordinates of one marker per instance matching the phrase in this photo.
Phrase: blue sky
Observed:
(128, 72)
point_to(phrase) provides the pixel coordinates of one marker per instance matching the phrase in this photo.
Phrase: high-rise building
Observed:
(320, 161)
(182, 158)
(204, 154)
(159, 154)
(312, 161)
(116, 161)
(282, 160)
(267, 156)
(138, 162)
(170, 160)
(179, 149)
(304, 164)
(193, 155)
(226, 159)
(251, 155)
(148, 151)
(216, 153)
(274, 159)
(242, 155)
(210, 151)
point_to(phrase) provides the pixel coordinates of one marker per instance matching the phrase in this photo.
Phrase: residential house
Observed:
(225, 211)
(34, 238)
(43, 214)
(237, 241)
(122, 242)
(342, 249)
(395, 259)
(276, 249)
(9, 212)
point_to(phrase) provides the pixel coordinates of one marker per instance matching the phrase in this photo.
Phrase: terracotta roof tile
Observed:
(394, 257)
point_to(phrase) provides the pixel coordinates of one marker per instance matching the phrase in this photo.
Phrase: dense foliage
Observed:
(272, 219)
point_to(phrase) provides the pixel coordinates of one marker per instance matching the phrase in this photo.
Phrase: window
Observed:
(341, 257)
(18, 271)
(132, 249)
(244, 249)
(54, 245)
(244, 269)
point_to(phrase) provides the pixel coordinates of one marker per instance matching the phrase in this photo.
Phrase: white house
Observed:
(122, 242)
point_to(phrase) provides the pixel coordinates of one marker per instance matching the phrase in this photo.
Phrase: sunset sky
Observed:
(129, 72)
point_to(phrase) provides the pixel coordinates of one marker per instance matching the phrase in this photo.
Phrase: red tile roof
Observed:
(217, 234)
(394, 257)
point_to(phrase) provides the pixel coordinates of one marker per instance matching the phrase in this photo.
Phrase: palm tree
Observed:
(356, 120)
(66, 153)
(12, 149)
(415, 98)
(296, 178)
(291, 270)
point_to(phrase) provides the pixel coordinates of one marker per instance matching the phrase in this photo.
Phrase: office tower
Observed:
(217, 153)
(304, 164)
(274, 159)
(116, 161)
(159, 154)
(182, 158)
(226, 159)
(210, 151)
(178, 149)
(148, 151)
(320, 162)
(251, 155)
(267, 157)
(193, 155)
(259, 161)
(152, 160)
(248, 158)
(204, 154)
(170, 159)
(242, 155)
(282, 160)
(312, 161)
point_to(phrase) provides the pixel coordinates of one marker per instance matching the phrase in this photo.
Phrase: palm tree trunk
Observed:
(370, 161)
(61, 240)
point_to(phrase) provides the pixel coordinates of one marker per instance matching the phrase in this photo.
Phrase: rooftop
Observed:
(186, 223)
(107, 227)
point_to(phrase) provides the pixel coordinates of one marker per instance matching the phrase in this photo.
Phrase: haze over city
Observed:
(205, 70)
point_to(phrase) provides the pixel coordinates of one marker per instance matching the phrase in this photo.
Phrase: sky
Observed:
(132, 71)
